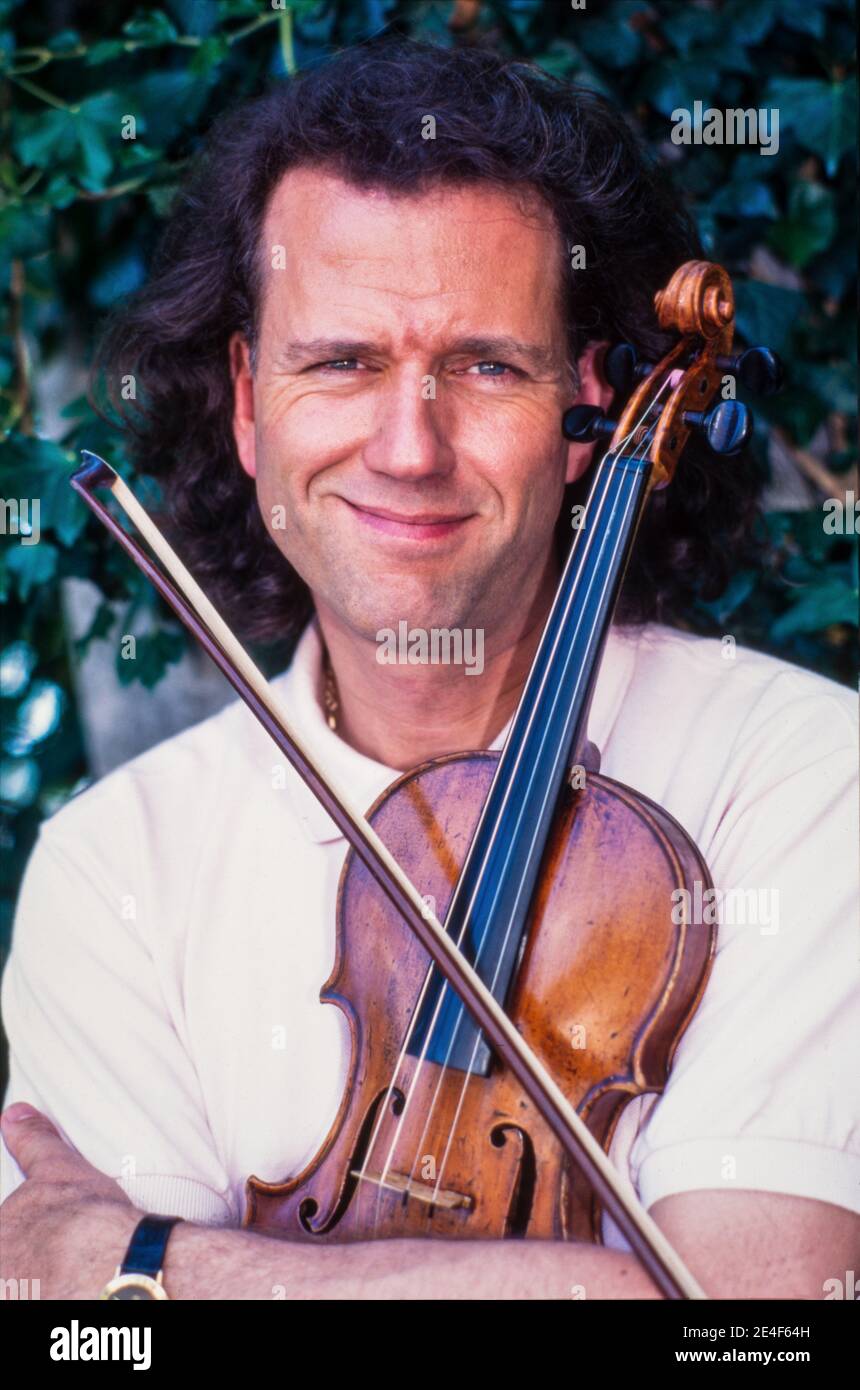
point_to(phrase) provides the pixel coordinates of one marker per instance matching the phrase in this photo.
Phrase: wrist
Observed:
(109, 1228)
(177, 1260)
(199, 1261)
(139, 1273)
(90, 1243)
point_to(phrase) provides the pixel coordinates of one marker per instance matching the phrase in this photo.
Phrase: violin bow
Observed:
(188, 601)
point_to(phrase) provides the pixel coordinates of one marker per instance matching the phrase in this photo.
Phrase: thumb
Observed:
(31, 1137)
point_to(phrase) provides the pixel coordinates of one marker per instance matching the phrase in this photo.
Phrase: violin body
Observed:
(606, 985)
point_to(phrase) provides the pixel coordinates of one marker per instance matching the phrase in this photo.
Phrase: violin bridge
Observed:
(422, 1192)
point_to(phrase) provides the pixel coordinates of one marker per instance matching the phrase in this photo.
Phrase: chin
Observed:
(370, 614)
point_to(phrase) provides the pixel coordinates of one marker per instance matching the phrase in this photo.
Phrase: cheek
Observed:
(520, 452)
(279, 424)
(296, 439)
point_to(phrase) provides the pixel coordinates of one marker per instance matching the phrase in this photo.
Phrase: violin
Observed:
(492, 1056)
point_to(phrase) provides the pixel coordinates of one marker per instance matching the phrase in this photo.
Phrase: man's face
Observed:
(403, 422)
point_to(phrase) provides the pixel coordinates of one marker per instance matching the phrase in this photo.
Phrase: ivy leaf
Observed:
(73, 141)
(822, 115)
(669, 85)
(167, 101)
(43, 138)
(105, 51)
(150, 28)
(235, 9)
(736, 592)
(834, 601)
(520, 13)
(64, 41)
(735, 59)
(95, 163)
(154, 652)
(79, 406)
(200, 20)
(563, 59)
(745, 197)
(119, 277)
(100, 626)
(835, 385)
(766, 313)
(24, 231)
(40, 470)
(607, 41)
(805, 16)
(60, 192)
(31, 566)
(690, 27)
(161, 197)
(749, 21)
(211, 52)
(810, 225)
(835, 269)
(101, 114)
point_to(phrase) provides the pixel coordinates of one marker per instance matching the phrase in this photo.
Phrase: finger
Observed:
(35, 1143)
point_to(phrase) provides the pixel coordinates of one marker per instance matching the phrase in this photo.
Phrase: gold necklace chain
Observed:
(331, 699)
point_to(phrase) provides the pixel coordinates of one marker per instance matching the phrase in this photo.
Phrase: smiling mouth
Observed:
(419, 526)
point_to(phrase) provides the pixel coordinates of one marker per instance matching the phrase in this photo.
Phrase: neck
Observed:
(402, 715)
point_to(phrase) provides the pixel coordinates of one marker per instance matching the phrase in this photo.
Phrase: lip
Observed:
(418, 526)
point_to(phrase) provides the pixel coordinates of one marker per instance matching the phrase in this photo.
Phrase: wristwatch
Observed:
(141, 1274)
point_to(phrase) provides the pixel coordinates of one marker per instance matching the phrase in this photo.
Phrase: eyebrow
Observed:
(541, 360)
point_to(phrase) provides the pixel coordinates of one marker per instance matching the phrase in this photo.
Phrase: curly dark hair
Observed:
(361, 114)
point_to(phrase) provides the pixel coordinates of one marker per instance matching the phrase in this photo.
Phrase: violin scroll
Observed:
(698, 300)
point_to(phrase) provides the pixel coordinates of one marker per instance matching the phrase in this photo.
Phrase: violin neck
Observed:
(490, 906)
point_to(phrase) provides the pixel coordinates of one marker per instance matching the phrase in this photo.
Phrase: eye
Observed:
(495, 370)
(337, 364)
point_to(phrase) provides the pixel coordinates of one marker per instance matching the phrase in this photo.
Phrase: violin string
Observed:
(468, 1074)
(384, 1107)
(420, 1061)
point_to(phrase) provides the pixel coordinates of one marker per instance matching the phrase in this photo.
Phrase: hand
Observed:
(67, 1225)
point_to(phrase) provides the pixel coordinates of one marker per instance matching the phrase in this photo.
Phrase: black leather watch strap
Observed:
(145, 1254)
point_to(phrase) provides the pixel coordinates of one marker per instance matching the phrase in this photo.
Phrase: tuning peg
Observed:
(622, 367)
(727, 427)
(583, 423)
(619, 367)
(758, 369)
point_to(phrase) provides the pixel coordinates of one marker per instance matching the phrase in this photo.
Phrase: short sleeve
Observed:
(763, 1091)
(93, 1043)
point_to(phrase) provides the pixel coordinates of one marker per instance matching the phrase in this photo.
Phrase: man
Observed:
(353, 360)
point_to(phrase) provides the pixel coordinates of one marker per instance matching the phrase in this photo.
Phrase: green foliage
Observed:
(81, 207)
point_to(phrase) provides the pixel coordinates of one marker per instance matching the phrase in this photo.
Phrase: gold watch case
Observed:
(126, 1287)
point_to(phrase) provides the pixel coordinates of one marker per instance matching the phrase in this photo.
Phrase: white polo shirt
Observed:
(177, 921)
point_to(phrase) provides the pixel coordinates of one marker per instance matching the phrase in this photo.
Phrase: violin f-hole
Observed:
(522, 1201)
(309, 1207)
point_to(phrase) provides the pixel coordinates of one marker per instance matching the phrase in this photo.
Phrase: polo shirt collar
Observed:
(363, 779)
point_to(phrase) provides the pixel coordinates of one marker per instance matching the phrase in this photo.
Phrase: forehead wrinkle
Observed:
(433, 292)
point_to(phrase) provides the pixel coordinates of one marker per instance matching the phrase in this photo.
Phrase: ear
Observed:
(243, 404)
(594, 390)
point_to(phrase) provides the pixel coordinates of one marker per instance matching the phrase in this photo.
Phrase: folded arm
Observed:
(69, 1225)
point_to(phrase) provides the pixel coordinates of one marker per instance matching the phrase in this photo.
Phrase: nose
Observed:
(409, 440)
